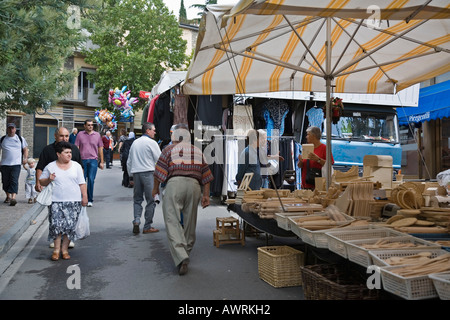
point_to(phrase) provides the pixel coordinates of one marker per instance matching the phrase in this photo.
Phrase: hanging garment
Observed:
(231, 164)
(298, 171)
(242, 119)
(225, 116)
(151, 110)
(145, 113)
(163, 118)
(180, 109)
(209, 110)
(297, 120)
(275, 111)
(286, 151)
(315, 117)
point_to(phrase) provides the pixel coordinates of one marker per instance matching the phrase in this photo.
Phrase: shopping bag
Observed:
(45, 196)
(82, 229)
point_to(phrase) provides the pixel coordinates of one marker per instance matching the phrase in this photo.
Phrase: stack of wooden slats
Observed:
(361, 198)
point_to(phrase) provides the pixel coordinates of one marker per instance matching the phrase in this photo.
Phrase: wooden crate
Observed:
(228, 231)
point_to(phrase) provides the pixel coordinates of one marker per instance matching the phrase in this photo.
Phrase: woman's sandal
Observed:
(55, 256)
(65, 256)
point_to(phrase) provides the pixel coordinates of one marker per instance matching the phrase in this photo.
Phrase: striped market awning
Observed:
(359, 46)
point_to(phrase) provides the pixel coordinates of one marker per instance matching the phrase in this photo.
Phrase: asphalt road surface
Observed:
(115, 264)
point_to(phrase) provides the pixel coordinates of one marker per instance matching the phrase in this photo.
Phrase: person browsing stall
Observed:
(315, 159)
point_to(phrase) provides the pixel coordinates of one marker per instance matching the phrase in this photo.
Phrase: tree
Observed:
(36, 39)
(137, 40)
(202, 7)
(182, 14)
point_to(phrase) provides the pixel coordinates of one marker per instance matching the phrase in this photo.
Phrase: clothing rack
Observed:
(281, 137)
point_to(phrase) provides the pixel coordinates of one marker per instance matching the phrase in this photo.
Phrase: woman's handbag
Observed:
(82, 229)
(45, 196)
(312, 174)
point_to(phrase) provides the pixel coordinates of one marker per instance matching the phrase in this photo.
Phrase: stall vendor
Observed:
(315, 160)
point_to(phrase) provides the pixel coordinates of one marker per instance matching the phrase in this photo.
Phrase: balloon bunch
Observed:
(122, 101)
(106, 118)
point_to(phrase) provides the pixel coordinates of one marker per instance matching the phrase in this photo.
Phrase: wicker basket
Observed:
(280, 266)
(335, 282)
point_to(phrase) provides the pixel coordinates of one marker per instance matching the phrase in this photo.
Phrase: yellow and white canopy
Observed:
(360, 46)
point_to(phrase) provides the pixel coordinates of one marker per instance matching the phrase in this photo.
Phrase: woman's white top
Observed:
(66, 186)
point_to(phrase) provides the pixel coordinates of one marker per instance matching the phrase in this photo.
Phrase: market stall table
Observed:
(268, 226)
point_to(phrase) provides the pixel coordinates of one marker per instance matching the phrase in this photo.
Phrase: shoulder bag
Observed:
(312, 174)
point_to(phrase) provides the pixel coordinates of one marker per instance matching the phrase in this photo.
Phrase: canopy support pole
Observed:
(328, 79)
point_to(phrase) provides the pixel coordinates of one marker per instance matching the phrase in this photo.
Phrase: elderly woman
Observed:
(69, 195)
(315, 159)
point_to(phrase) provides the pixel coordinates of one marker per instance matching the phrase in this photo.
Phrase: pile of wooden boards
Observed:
(357, 199)
(268, 209)
(265, 203)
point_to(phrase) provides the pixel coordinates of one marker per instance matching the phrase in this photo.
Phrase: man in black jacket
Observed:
(48, 154)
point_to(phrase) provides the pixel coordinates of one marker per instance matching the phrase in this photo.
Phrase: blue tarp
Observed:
(434, 103)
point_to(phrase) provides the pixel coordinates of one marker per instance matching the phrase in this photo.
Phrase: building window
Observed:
(83, 85)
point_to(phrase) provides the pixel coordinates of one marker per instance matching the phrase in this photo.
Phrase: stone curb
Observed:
(10, 237)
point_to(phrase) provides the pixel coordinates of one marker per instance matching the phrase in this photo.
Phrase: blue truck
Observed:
(365, 130)
(368, 125)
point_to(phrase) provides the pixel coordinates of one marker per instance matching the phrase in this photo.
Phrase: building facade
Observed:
(77, 106)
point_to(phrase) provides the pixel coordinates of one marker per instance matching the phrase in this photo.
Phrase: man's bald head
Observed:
(61, 134)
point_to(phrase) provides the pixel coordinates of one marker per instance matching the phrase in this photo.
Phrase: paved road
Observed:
(115, 264)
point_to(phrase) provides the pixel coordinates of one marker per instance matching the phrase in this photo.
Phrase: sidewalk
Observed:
(15, 220)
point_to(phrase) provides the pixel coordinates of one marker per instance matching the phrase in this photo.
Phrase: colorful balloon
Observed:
(106, 118)
(122, 101)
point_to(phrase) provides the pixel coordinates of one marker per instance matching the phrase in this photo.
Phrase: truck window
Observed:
(365, 126)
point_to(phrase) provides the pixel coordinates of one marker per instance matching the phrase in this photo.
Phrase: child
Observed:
(30, 181)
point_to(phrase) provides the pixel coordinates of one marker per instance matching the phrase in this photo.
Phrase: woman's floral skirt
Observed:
(63, 217)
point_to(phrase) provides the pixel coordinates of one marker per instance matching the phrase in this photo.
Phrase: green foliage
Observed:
(202, 7)
(136, 41)
(35, 41)
(182, 14)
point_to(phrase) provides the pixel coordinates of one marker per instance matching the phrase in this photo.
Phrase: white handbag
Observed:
(45, 196)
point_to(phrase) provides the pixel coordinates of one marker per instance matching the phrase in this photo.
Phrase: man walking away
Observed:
(144, 153)
(14, 155)
(124, 152)
(183, 168)
(91, 149)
